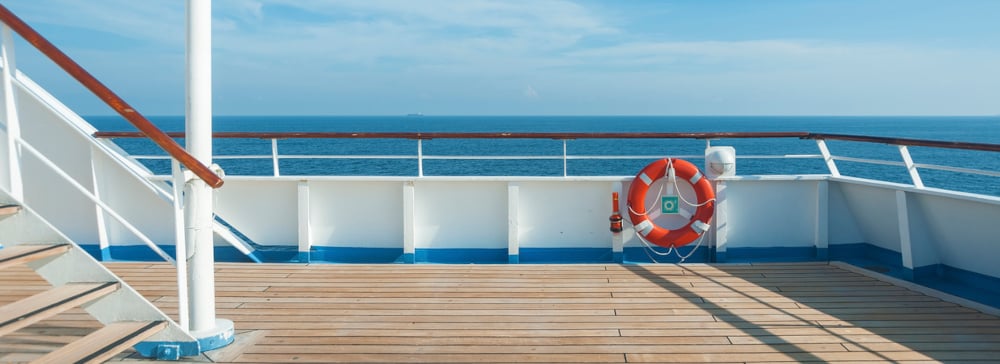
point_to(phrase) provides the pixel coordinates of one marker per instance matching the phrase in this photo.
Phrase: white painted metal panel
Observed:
(59, 202)
(266, 212)
(564, 214)
(843, 228)
(966, 234)
(47, 193)
(765, 214)
(131, 199)
(356, 214)
(874, 209)
(58, 140)
(460, 215)
(4, 156)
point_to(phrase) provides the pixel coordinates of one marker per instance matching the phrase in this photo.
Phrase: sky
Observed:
(534, 57)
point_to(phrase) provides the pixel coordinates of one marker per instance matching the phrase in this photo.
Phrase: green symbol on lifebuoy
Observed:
(668, 205)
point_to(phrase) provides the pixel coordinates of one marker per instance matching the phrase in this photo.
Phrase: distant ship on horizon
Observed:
(416, 114)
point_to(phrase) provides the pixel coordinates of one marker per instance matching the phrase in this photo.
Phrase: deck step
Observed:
(30, 310)
(8, 210)
(14, 255)
(105, 343)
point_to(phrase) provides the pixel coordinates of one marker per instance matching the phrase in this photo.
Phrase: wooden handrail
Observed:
(481, 135)
(551, 135)
(146, 128)
(908, 142)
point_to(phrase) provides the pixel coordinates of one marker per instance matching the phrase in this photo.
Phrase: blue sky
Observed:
(536, 57)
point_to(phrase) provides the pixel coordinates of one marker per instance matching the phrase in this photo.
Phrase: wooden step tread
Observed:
(17, 254)
(104, 343)
(49, 303)
(7, 210)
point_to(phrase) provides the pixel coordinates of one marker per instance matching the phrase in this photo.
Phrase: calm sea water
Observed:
(967, 129)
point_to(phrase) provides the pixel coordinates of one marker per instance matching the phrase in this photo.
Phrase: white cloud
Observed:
(530, 92)
(466, 51)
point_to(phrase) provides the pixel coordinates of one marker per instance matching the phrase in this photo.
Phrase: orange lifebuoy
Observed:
(698, 223)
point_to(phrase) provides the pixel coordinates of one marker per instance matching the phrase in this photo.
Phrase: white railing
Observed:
(419, 155)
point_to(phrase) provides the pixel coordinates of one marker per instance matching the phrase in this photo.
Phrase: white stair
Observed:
(78, 280)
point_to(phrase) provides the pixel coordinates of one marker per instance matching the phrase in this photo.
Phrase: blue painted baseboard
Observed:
(971, 285)
(566, 255)
(959, 282)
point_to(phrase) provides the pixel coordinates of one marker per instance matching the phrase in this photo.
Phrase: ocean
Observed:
(965, 129)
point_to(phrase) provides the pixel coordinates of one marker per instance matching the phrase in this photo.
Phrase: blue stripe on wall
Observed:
(461, 256)
(970, 285)
(565, 255)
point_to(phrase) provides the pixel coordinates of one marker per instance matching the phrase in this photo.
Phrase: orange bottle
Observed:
(616, 217)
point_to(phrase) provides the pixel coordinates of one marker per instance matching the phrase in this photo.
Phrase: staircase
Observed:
(78, 280)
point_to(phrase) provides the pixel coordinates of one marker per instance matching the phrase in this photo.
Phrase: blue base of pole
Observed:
(211, 339)
(216, 337)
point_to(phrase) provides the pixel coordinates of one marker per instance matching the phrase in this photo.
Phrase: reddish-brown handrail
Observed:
(908, 142)
(448, 135)
(109, 97)
(549, 135)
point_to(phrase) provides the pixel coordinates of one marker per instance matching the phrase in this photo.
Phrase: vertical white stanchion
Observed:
(180, 246)
(721, 221)
(10, 116)
(210, 332)
(96, 170)
(304, 218)
(420, 157)
(564, 158)
(905, 243)
(821, 234)
(274, 157)
(513, 233)
(409, 222)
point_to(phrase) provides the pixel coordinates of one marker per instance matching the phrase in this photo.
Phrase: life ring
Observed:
(699, 222)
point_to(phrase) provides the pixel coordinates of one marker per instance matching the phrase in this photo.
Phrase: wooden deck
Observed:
(811, 312)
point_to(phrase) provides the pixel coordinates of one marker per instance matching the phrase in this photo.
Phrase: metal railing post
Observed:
(15, 184)
(910, 167)
(420, 158)
(564, 158)
(274, 156)
(827, 157)
(180, 247)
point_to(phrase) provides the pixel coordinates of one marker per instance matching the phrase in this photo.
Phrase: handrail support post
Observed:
(420, 157)
(180, 246)
(10, 116)
(274, 156)
(564, 158)
(910, 166)
(827, 157)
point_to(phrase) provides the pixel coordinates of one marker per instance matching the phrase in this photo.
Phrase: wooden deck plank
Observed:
(434, 358)
(566, 313)
(104, 343)
(43, 305)
(19, 254)
(559, 349)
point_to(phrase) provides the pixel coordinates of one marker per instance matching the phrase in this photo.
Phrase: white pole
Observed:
(10, 114)
(198, 204)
